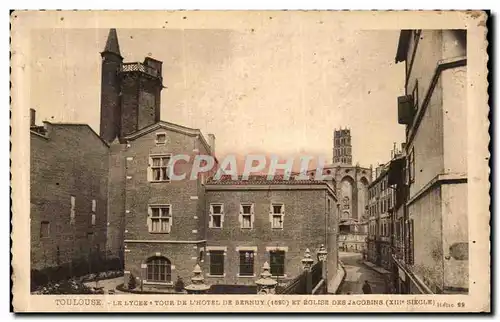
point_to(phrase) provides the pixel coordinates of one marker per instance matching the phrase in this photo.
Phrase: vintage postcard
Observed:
(250, 161)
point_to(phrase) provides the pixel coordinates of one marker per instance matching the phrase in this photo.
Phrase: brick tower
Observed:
(130, 92)
(110, 88)
(342, 150)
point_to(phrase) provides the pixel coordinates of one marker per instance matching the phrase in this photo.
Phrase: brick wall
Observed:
(304, 227)
(185, 198)
(72, 161)
(116, 199)
(110, 99)
(130, 98)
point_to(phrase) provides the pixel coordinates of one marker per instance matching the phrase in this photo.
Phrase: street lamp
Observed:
(307, 261)
(322, 254)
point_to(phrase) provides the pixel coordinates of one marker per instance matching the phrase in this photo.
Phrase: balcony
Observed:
(140, 67)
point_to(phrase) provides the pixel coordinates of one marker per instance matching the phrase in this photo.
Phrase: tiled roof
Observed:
(261, 180)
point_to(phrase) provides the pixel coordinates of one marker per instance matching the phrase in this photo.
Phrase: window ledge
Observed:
(275, 228)
(215, 227)
(159, 233)
(247, 228)
(246, 276)
(215, 276)
(158, 283)
(159, 181)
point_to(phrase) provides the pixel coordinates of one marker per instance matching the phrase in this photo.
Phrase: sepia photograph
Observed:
(253, 154)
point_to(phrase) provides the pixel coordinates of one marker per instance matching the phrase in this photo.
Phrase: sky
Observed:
(272, 89)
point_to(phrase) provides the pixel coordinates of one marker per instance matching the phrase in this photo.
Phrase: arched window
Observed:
(159, 270)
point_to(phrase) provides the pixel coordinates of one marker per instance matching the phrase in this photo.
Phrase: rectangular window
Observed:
(160, 219)
(415, 96)
(411, 165)
(44, 229)
(217, 262)
(94, 205)
(277, 259)
(161, 138)
(159, 166)
(277, 216)
(92, 220)
(246, 263)
(246, 216)
(90, 236)
(216, 215)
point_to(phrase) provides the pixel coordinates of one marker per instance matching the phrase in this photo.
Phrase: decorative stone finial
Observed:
(265, 284)
(198, 285)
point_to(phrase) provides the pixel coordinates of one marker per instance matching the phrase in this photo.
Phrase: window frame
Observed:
(152, 167)
(243, 215)
(151, 218)
(281, 214)
(212, 214)
(252, 256)
(222, 255)
(168, 271)
(159, 143)
(283, 264)
(411, 166)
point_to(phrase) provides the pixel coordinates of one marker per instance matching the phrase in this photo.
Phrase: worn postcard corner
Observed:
(250, 161)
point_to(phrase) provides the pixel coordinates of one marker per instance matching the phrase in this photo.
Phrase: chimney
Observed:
(32, 117)
(211, 142)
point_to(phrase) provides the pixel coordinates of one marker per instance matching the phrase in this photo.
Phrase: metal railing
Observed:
(139, 67)
(299, 284)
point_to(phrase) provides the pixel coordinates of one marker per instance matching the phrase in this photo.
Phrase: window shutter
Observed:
(240, 217)
(149, 172)
(222, 215)
(252, 215)
(148, 220)
(210, 217)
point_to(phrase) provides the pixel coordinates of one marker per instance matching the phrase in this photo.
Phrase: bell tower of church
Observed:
(342, 149)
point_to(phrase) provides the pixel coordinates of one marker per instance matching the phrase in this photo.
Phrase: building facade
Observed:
(434, 113)
(68, 196)
(380, 223)
(251, 222)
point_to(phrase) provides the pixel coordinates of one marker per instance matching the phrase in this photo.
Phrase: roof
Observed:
(171, 127)
(71, 124)
(340, 165)
(112, 45)
(262, 180)
(402, 51)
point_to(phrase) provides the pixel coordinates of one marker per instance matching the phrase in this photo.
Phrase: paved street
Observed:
(357, 273)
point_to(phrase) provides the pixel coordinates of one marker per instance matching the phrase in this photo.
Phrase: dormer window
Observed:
(161, 138)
